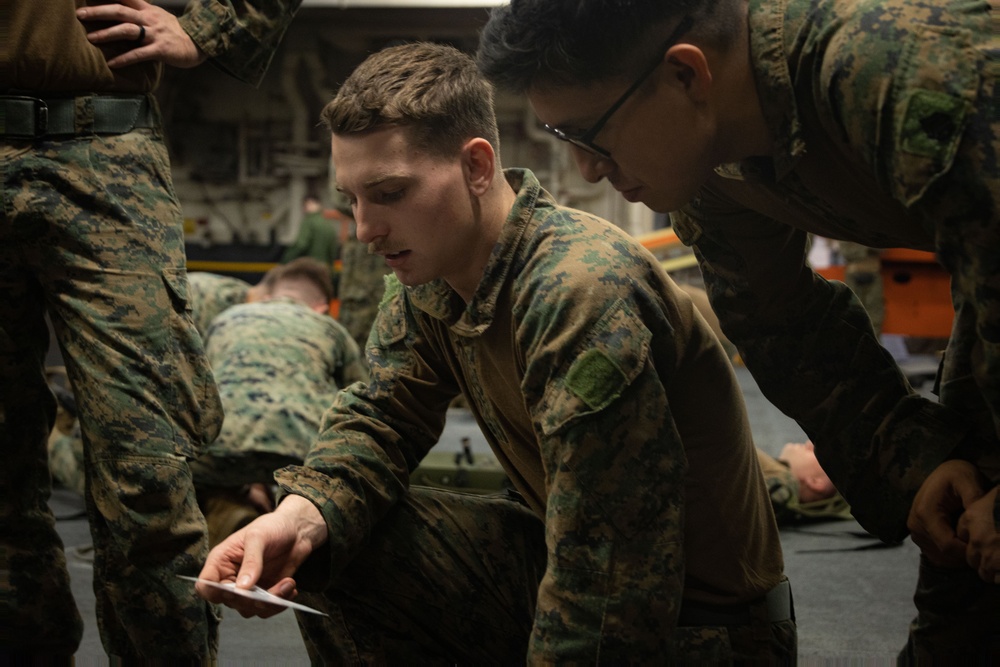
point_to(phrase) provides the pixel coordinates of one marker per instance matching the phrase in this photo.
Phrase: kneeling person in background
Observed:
(278, 363)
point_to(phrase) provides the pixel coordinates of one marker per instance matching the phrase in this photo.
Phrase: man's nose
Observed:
(366, 226)
(592, 166)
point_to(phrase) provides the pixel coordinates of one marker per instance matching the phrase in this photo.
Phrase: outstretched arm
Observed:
(266, 553)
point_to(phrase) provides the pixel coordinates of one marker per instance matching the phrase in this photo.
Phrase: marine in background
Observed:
(278, 363)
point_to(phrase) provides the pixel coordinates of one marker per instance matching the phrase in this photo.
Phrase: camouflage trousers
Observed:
(958, 619)
(450, 578)
(91, 234)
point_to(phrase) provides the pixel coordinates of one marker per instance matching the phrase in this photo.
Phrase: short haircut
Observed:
(266, 281)
(309, 270)
(434, 91)
(551, 43)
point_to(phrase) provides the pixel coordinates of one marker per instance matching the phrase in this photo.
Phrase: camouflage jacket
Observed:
(885, 124)
(589, 373)
(240, 37)
(209, 294)
(278, 365)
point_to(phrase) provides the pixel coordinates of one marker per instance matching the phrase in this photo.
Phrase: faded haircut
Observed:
(306, 269)
(434, 91)
(552, 43)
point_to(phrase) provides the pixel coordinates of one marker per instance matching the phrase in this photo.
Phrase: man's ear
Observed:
(689, 67)
(813, 482)
(478, 164)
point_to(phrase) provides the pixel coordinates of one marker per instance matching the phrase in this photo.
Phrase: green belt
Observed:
(34, 117)
(778, 602)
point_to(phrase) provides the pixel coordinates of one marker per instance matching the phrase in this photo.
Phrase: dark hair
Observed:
(433, 90)
(308, 269)
(550, 43)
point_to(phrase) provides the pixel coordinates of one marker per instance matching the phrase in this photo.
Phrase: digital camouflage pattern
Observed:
(886, 128)
(360, 288)
(885, 114)
(601, 431)
(210, 294)
(278, 365)
(91, 233)
(490, 589)
(113, 282)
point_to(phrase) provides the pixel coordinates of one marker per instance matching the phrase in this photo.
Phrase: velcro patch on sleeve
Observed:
(595, 379)
(931, 123)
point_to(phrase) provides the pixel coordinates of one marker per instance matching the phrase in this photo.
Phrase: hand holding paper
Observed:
(263, 557)
(255, 593)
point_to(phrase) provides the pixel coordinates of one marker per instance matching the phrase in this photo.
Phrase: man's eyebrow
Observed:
(378, 179)
(372, 182)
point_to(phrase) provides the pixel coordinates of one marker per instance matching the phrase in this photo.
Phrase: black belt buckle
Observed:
(39, 113)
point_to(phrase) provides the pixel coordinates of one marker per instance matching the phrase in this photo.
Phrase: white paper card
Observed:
(255, 593)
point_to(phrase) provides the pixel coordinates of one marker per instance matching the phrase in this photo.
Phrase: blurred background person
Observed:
(317, 237)
(211, 293)
(278, 363)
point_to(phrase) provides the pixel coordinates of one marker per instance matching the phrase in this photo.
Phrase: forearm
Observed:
(812, 350)
(351, 493)
(359, 467)
(876, 438)
(241, 43)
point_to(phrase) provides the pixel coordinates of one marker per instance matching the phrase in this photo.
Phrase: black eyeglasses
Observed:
(585, 140)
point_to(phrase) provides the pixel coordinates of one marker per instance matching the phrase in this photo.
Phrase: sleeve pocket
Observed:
(934, 93)
(603, 366)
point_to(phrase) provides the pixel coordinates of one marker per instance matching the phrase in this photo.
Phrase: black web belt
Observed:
(26, 116)
(778, 602)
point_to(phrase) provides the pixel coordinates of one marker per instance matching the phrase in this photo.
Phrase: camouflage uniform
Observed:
(91, 232)
(209, 294)
(588, 372)
(360, 288)
(278, 365)
(887, 130)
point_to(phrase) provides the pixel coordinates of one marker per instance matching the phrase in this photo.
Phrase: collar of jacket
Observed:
(440, 301)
